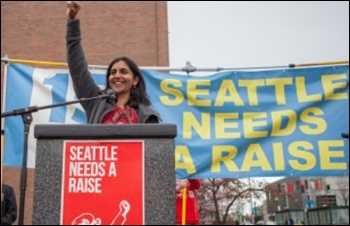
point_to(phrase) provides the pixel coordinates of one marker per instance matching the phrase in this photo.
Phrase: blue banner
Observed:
(230, 124)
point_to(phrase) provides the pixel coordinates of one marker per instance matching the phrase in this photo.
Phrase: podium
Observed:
(78, 164)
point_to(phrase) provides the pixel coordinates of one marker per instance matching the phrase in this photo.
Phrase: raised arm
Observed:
(84, 85)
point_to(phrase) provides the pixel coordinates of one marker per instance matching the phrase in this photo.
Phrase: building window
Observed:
(297, 185)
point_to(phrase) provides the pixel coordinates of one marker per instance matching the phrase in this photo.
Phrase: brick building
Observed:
(305, 193)
(35, 31)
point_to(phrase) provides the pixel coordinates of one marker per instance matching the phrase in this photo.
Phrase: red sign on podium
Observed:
(102, 183)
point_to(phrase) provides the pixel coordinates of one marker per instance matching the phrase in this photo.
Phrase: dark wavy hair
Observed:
(138, 95)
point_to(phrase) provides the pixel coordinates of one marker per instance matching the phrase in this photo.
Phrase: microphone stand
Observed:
(27, 118)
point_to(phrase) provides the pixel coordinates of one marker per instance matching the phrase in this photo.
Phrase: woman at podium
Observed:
(127, 101)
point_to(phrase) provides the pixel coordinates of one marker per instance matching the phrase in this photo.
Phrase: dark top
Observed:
(8, 206)
(85, 87)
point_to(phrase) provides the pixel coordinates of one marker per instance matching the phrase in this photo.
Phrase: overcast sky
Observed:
(253, 34)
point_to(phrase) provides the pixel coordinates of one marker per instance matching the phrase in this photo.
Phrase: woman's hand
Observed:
(72, 9)
(180, 184)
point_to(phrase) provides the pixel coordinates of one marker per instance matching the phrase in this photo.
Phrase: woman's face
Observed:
(121, 78)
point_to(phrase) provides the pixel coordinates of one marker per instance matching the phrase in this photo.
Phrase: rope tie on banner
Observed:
(318, 64)
(35, 62)
(189, 68)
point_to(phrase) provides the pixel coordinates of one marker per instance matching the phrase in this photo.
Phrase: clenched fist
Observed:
(72, 9)
(180, 184)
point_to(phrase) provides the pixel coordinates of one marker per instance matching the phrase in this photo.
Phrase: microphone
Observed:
(108, 94)
(345, 135)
